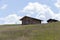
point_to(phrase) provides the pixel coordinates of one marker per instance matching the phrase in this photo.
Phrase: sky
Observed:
(13, 10)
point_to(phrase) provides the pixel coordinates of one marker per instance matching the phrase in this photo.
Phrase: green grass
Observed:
(50, 31)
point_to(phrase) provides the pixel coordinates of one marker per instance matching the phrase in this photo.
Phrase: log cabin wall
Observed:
(30, 21)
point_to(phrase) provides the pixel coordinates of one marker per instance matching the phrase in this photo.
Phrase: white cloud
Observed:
(4, 6)
(57, 4)
(40, 11)
(57, 16)
(10, 19)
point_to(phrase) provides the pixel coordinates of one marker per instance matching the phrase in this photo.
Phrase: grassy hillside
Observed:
(50, 31)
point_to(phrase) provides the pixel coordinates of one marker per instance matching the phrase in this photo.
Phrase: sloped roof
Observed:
(52, 20)
(31, 18)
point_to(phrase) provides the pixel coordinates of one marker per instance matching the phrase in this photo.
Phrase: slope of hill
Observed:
(50, 31)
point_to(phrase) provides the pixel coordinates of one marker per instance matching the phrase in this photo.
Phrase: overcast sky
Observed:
(13, 10)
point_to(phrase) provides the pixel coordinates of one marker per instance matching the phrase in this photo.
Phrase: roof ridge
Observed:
(31, 17)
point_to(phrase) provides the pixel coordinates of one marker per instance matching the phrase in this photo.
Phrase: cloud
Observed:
(57, 4)
(4, 6)
(10, 19)
(57, 16)
(40, 11)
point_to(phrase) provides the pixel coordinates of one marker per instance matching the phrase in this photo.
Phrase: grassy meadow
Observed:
(50, 31)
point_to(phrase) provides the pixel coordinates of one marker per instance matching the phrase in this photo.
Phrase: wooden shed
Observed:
(29, 20)
(52, 20)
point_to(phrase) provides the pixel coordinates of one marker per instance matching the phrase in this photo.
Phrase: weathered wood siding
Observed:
(30, 21)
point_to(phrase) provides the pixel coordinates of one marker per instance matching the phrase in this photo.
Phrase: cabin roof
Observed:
(31, 18)
(52, 20)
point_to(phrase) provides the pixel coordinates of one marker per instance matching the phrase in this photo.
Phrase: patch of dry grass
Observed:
(50, 31)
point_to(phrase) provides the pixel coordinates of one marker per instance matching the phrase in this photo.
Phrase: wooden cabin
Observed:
(52, 20)
(29, 20)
